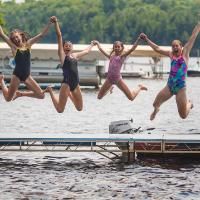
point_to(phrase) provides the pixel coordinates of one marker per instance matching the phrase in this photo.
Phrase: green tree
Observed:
(106, 20)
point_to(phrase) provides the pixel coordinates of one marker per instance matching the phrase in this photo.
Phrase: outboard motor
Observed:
(121, 127)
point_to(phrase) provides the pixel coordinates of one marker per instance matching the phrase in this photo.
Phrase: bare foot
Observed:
(142, 87)
(48, 89)
(191, 104)
(153, 114)
(17, 94)
(111, 89)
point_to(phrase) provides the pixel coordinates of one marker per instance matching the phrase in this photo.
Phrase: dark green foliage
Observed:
(106, 20)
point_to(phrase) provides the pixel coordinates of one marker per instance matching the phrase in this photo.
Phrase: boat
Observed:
(193, 73)
(45, 63)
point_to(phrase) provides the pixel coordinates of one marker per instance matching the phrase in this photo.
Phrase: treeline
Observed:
(106, 20)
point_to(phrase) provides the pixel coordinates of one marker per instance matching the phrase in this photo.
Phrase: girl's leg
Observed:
(76, 98)
(59, 102)
(183, 104)
(36, 91)
(124, 88)
(161, 97)
(9, 93)
(107, 86)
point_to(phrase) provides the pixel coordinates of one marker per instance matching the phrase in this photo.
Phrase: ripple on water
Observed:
(91, 176)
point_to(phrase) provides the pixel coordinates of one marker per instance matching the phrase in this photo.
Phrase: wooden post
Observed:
(157, 69)
(131, 153)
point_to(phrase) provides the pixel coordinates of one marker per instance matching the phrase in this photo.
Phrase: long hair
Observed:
(25, 36)
(179, 42)
(117, 42)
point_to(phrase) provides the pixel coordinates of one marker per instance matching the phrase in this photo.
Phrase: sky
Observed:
(17, 1)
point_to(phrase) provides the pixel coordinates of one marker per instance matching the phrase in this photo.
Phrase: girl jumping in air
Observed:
(70, 84)
(116, 58)
(176, 84)
(20, 45)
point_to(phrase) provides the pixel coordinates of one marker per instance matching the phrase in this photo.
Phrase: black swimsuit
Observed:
(23, 64)
(70, 72)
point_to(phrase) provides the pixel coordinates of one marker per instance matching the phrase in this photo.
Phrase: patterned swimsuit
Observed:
(114, 69)
(177, 76)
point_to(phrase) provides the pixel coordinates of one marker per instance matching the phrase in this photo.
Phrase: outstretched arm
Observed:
(132, 49)
(61, 52)
(35, 39)
(84, 52)
(154, 46)
(7, 39)
(100, 49)
(188, 46)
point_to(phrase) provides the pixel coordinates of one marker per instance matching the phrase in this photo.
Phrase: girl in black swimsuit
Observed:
(70, 84)
(20, 45)
(70, 72)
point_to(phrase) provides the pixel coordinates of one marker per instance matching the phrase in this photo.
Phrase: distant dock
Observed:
(88, 74)
(45, 63)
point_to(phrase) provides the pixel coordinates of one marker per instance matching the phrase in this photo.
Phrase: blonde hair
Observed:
(25, 36)
(178, 41)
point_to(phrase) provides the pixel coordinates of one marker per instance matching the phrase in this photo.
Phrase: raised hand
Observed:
(95, 42)
(143, 36)
(53, 19)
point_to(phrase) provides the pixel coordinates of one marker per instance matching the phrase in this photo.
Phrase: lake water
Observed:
(87, 175)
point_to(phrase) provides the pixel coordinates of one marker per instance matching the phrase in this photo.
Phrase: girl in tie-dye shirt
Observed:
(177, 76)
(176, 82)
